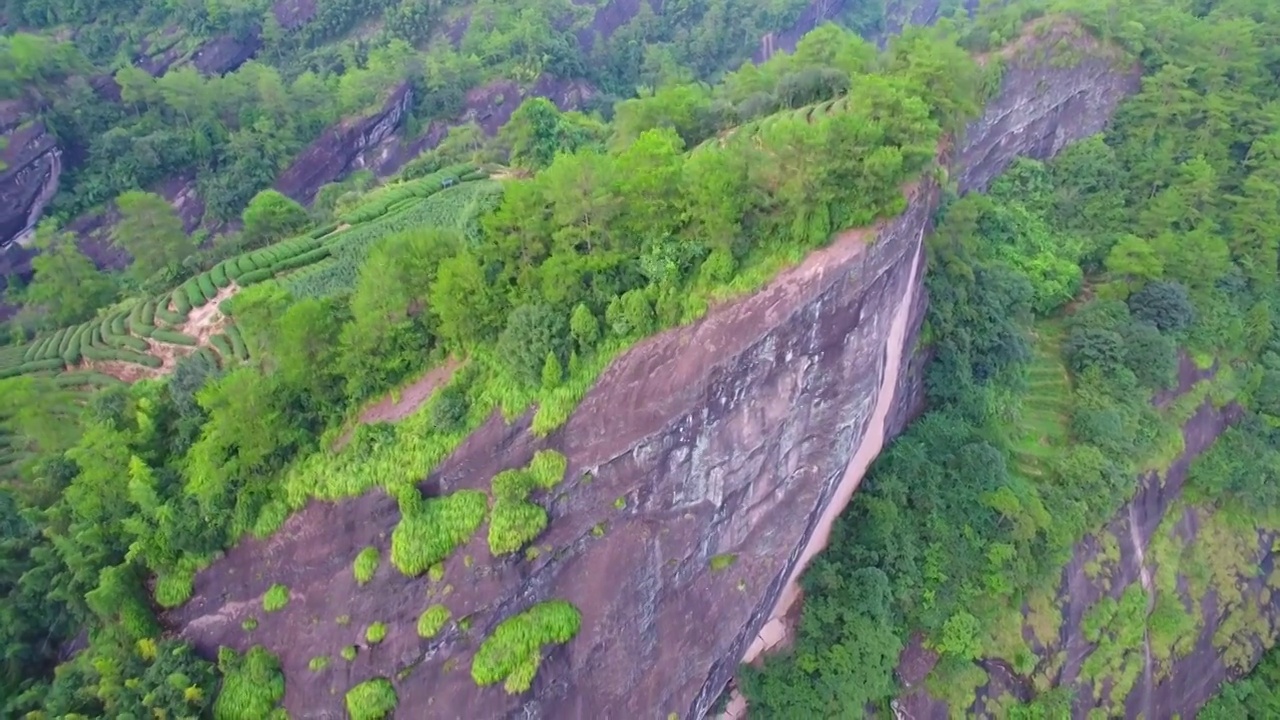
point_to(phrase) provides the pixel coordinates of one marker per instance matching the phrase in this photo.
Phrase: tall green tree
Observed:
(151, 231)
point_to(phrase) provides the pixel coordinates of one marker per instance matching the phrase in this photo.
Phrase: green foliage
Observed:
(176, 338)
(366, 565)
(514, 524)
(174, 588)
(150, 230)
(276, 598)
(375, 633)
(430, 529)
(723, 562)
(514, 651)
(371, 700)
(270, 216)
(349, 653)
(252, 684)
(432, 621)
(318, 663)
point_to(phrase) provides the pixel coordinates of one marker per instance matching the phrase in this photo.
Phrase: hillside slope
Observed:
(689, 473)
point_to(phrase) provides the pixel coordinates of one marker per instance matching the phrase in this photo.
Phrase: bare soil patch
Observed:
(403, 402)
(125, 372)
(207, 320)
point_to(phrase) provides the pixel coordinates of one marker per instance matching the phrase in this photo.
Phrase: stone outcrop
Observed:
(343, 147)
(30, 164)
(727, 438)
(223, 54)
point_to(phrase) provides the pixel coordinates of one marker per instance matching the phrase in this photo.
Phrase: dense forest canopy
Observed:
(1070, 286)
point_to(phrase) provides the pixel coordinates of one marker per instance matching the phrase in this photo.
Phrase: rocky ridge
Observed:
(727, 438)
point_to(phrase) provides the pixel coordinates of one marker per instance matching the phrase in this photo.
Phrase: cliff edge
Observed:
(730, 438)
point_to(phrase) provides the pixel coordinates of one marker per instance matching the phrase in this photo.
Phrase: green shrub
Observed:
(514, 651)
(223, 345)
(302, 260)
(349, 653)
(251, 686)
(177, 338)
(84, 379)
(375, 633)
(366, 565)
(371, 700)
(118, 323)
(173, 317)
(31, 367)
(182, 300)
(207, 288)
(323, 230)
(547, 469)
(250, 624)
(431, 528)
(128, 341)
(147, 319)
(245, 264)
(237, 342)
(173, 588)
(122, 355)
(318, 663)
(513, 524)
(51, 348)
(255, 276)
(276, 598)
(432, 621)
(219, 275)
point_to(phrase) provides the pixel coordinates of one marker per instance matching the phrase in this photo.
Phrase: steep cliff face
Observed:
(30, 163)
(726, 438)
(340, 148)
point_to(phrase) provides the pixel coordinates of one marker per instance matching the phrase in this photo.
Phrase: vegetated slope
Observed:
(1003, 541)
(216, 453)
(672, 458)
(310, 66)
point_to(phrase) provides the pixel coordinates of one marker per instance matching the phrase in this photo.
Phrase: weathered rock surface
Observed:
(341, 148)
(727, 437)
(30, 163)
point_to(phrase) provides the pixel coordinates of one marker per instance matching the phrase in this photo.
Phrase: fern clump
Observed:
(430, 529)
(371, 700)
(514, 651)
(366, 565)
(432, 621)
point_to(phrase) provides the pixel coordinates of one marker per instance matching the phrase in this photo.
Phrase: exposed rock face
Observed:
(226, 53)
(728, 437)
(341, 148)
(30, 163)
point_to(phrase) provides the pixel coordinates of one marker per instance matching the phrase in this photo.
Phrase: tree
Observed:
(67, 287)
(1167, 305)
(1133, 262)
(1088, 347)
(151, 231)
(270, 216)
(1151, 356)
(584, 327)
(532, 333)
(464, 303)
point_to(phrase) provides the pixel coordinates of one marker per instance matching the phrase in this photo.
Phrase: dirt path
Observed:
(207, 320)
(777, 630)
(400, 404)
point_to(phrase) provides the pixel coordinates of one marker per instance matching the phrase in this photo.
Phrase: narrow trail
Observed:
(1145, 575)
(776, 630)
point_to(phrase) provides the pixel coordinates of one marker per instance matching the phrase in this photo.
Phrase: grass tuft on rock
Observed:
(276, 598)
(371, 700)
(432, 621)
(514, 651)
(366, 565)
